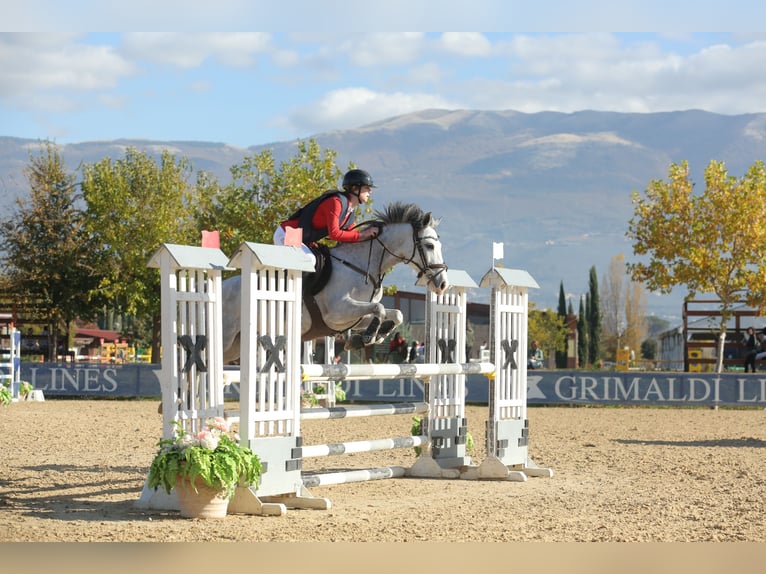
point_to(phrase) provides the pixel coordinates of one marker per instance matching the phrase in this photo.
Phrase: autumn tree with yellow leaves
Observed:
(712, 241)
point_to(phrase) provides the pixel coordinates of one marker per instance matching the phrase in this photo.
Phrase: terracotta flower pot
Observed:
(206, 502)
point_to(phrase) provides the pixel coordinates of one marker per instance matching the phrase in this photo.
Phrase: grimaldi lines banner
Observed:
(543, 387)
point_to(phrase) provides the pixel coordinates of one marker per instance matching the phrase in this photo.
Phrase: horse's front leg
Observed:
(369, 324)
(374, 327)
(392, 320)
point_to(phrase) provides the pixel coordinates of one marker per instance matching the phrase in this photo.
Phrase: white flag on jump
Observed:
(497, 250)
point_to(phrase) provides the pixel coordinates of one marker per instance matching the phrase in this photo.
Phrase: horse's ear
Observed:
(428, 219)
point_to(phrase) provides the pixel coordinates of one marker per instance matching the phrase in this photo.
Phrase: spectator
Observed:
(751, 347)
(413, 352)
(535, 356)
(397, 349)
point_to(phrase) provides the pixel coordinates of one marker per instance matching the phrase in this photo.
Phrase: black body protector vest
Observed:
(306, 213)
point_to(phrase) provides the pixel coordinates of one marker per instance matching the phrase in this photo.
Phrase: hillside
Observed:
(554, 188)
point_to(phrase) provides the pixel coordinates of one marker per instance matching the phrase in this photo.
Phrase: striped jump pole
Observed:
(353, 411)
(334, 449)
(363, 371)
(362, 475)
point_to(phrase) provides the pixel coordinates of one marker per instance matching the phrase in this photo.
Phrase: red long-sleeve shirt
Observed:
(327, 216)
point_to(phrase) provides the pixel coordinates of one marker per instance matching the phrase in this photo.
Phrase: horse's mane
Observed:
(399, 212)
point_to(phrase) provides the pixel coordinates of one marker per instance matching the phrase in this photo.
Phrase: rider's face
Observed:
(364, 193)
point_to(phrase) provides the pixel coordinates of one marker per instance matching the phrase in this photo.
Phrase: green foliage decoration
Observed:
(213, 455)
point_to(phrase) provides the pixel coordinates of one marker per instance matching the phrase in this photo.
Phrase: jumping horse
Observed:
(350, 298)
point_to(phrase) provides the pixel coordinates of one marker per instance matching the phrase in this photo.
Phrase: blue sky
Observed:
(331, 72)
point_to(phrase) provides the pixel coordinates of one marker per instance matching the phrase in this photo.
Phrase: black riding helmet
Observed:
(356, 177)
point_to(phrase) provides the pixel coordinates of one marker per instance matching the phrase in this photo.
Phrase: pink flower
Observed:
(207, 439)
(219, 423)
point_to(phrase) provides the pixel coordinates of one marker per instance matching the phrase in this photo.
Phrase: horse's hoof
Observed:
(353, 343)
(385, 328)
(367, 339)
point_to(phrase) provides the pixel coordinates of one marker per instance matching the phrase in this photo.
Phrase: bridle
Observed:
(430, 270)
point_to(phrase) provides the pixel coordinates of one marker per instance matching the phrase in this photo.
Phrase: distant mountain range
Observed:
(554, 188)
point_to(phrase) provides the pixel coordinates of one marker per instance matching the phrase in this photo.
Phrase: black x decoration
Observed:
(194, 352)
(509, 349)
(447, 349)
(272, 352)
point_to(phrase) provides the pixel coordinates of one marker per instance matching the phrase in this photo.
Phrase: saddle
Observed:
(313, 283)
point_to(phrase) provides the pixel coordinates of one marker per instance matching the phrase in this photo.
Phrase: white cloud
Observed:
(382, 49)
(33, 64)
(428, 73)
(191, 50)
(353, 107)
(574, 72)
(466, 43)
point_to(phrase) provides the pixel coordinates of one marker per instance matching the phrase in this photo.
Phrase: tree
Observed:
(582, 333)
(48, 253)
(593, 319)
(710, 242)
(561, 354)
(635, 315)
(649, 349)
(623, 310)
(134, 205)
(548, 329)
(613, 302)
(261, 195)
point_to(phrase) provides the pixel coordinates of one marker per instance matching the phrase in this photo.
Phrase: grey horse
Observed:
(351, 297)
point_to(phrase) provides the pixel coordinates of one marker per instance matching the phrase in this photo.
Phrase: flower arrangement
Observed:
(214, 455)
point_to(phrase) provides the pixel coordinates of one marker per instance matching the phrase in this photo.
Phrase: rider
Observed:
(332, 214)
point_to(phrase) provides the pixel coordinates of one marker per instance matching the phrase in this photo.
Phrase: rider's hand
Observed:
(369, 233)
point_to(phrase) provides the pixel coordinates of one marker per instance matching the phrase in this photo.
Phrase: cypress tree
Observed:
(594, 320)
(561, 356)
(582, 334)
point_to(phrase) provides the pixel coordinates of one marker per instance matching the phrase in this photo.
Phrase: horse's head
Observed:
(423, 250)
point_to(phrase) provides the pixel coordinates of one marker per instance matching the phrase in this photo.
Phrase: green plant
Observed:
(340, 394)
(5, 395)
(25, 388)
(213, 455)
(309, 398)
